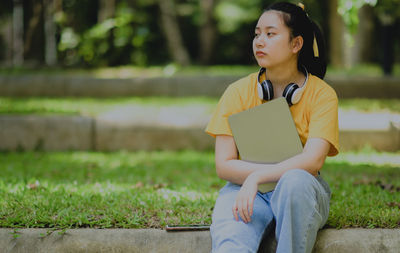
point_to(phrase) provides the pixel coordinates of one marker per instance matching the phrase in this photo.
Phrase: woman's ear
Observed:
(297, 44)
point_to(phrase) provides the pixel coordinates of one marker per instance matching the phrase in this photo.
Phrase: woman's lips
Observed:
(260, 53)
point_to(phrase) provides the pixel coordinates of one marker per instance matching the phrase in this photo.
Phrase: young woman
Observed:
(289, 48)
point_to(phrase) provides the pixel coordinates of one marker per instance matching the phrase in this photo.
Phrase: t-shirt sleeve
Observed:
(228, 104)
(324, 120)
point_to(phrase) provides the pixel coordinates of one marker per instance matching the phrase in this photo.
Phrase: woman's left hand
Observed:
(245, 199)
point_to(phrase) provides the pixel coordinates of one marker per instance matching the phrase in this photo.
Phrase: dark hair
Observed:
(300, 24)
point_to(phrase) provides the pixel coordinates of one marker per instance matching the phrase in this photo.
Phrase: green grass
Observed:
(95, 106)
(152, 189)
(364, 70)
(131, 71)
(370, 105)
(136, 71)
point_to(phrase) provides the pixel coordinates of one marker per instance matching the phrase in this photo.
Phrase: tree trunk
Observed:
(7, 35)
(336, 38)
(208, 30)
(172, 33)
(388, 24)
(364, 39)
(106, 10)
(50, 33)
(18, 33)
(33, 27)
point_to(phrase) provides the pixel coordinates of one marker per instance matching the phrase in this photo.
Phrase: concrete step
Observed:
(68, 85)
(155, 241)
(138, 127)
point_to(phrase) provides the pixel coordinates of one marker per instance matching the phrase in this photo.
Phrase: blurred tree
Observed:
(6, 32)
(50, 31)
(336, 31)
(236, 21)
(18, 33)
(172, 32)
(388, 12)
(106, 10)
(355, 39)
(207, 30)
(364, 39)
(33, 32)
(146, 32)
(349, 11)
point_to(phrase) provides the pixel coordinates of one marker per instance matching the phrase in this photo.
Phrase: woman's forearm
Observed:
(236, 171)
(275, 171)
(311, 160)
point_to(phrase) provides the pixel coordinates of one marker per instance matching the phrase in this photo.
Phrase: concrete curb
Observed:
(153, 240)
(59, 133)
(62, 85)
(56, 133)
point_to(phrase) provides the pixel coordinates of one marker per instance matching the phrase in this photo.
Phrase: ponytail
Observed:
(315, 62)
(312, 55)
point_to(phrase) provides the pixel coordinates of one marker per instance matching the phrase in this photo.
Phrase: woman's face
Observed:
(272, 45)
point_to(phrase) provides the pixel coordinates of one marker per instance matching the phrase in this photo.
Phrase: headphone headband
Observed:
(292, 91)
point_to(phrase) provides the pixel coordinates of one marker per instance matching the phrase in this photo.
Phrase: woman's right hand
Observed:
(244, 202)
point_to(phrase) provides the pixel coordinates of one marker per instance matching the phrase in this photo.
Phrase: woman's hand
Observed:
(245, 199)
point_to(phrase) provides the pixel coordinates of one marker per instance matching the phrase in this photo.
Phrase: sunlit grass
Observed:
(168, 70)
(368, 156)
(152, 189)
(95, 106)
(362, 70)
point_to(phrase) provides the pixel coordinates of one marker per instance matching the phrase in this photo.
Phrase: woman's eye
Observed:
(256, 35)
(269, 34)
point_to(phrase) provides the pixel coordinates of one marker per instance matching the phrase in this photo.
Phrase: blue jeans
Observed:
(299, 205)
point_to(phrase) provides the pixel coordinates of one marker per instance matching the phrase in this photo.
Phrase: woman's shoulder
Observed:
(321, 87)
(244, 83)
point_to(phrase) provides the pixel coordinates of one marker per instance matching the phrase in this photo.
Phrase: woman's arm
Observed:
(236, 171)
(227, 164)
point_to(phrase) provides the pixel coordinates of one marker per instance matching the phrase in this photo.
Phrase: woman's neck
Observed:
(282, 76)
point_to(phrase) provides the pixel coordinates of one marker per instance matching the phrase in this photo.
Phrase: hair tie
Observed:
(315, 47)
(301, 5)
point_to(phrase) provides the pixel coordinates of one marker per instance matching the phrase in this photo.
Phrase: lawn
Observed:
(131, 71)
(151, 189)
(95, 106)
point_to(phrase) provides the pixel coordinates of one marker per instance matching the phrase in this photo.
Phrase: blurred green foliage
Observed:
(348, 9)
(118, 40)
(134, 34)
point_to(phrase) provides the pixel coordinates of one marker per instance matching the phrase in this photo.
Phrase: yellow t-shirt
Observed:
(315, 115)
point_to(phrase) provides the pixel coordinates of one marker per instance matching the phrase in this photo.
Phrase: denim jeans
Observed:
(299, 207)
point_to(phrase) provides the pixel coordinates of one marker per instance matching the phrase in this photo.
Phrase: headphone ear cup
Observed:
(265, 88)
(268, 90)
(288, 93)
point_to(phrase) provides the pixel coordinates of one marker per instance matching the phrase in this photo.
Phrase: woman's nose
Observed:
(259, 41)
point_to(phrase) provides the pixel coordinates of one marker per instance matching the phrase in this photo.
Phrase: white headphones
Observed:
(292, 91)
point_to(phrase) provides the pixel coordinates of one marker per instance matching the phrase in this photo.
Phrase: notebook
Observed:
(266, 134)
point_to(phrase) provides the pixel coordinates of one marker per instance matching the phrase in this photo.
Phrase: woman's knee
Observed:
(297, 181)
(295, 188)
